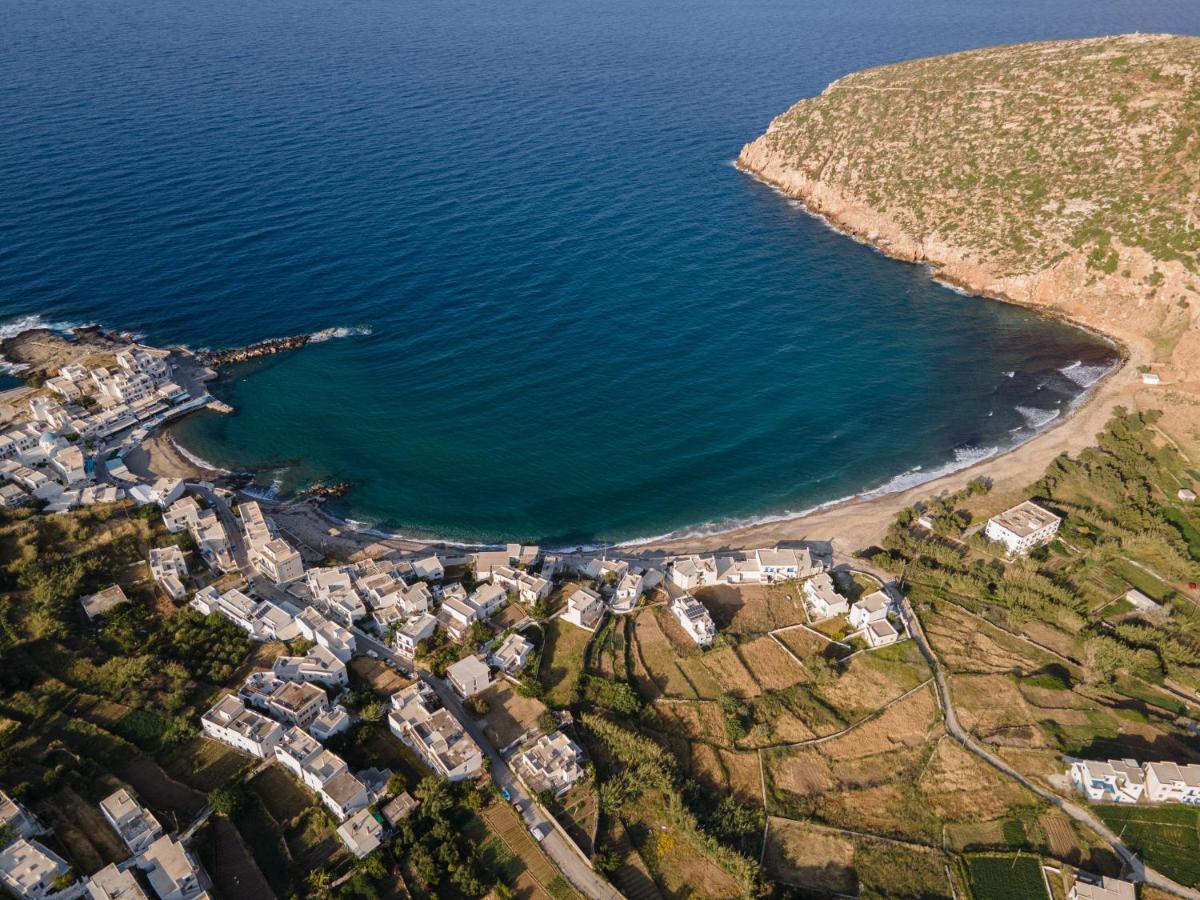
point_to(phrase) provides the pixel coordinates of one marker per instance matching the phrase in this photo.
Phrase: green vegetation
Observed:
(1006, 878)
(1165, 837)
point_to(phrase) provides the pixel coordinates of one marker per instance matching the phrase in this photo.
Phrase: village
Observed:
(457, 629)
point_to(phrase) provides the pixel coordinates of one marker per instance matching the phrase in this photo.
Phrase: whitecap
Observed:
(1038, 418)
(329, 333)
(1084, 375)
(15, 327)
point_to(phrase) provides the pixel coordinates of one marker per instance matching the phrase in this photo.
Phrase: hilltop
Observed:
(1062, 174)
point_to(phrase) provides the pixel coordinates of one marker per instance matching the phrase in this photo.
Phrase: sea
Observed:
(565, 315)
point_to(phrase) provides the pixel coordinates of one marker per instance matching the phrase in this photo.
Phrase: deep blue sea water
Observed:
(585, 324)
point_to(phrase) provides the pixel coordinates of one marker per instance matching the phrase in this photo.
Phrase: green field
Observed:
(142, 727)
(1006, 878)
(1166, 837)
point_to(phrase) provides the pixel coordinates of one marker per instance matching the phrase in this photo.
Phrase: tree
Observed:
(227, 799)
(607, 860)
(547, 721)
(319, 884)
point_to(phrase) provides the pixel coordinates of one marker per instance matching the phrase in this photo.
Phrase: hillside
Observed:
(1062, 174)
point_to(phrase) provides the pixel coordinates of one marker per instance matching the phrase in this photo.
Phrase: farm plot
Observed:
(382, 678)
(1165, 837)
(873, 679)
(1006, 878)
(280, 793)
(727, 772)
(752, 609)
(504, 822)
(82, 828)
(805, 643)
(771, 665)
(203, 764)
(957, 786)
(660, 659)
(562, 660)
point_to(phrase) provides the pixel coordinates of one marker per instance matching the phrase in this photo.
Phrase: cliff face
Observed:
(1063, 175)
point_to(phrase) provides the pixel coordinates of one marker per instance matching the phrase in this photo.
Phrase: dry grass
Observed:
(729, 673)
(810, 858)
(803, 773)
(562, 660)
(958, 786)
(874, 679)
(773, 668)
(695, 721)
(83, 830)
(752, 608)
(802, 642)
(660, 658)
(382, 678)
(906, 724)
(509, 714)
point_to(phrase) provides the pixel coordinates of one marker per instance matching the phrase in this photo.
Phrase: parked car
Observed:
(539, 831)
(372, 654)
(505, 794)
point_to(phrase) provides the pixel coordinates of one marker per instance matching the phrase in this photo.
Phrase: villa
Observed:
(243, 729)
(362, 833)
(22, 822)
(1102, 888)
(418, 719)
(295, 748)
(333, 637)
(1168, 782)
(413, 633)
(874, 607)
(469, 676)
(168, 567)
(584, 609)
(629, 589)
(136, 826)
(1022, 527)
(111, 883)
(319, 665)
(457, 616)
(551, 764)
(290, 702)
(344, 794)
(330, 721)
(172, 872)
(695, 619)
(1115, 781)
(29, 870)
(690, 572)
(785, 564)
(823, 599)
(487, 599)
(429, 569)
(881, 633)
(510, 657)
(528, 588)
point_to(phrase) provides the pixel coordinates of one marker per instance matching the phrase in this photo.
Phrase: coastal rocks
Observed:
(218, 358)
(320, 490)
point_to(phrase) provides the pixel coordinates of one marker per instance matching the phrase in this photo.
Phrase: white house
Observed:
(695, 619)
(512, 654)
(329, 722)
(881, 633)
(362, 833)
(319, 665)
(469, 676)
(169, 568)
(1101, 888)
(111, 883)
(584, 608)
(1168, 782)
(413, 632)
(231, 723)
(487, 599)
(438, 738)
(333, 637)
(690, 572)
(28, 869)
(136, 825)
(823, 599)
(429, 569)
(629, 589)
(785, 564)
(295, 748)
(344, 794)
(551, 764)
(874, 607)
(22, 822)
(172, 871)
(1023, 527)
(1114, 781)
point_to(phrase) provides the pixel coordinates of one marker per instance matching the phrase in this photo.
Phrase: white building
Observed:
(243, 729)
(881, 633)
(172, 871)
(296, 748)
(695, 619)
(22, 822)
(691, 572)
(418, 719)
(823, 599)
(429, 569)
(362, 833)
(469, 676)
(329, 722)
(551, 764)
(414, 632)
(136, 825)
(111, 883)
(785, 564)
(344, 794)
(1102, 888)
(319, 665)
(629, 589)
(333, 637)
(1023, 527)
(29, 870)
(1168, 782)
(528, 588)
(169, 568)
(512, 654)
(874, 607)
(584, 608)
(1114, 781)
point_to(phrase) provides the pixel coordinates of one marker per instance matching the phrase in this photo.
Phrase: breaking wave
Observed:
(28, 323)
(1038, 418)
(331, 333)
(1084, 375)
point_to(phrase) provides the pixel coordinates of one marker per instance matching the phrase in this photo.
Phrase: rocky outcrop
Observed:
(1062, 175)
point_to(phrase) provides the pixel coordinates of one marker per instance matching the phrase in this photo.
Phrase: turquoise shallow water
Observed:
(584, 323)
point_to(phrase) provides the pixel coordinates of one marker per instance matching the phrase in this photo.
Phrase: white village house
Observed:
(695, 619)
(1022, 527)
